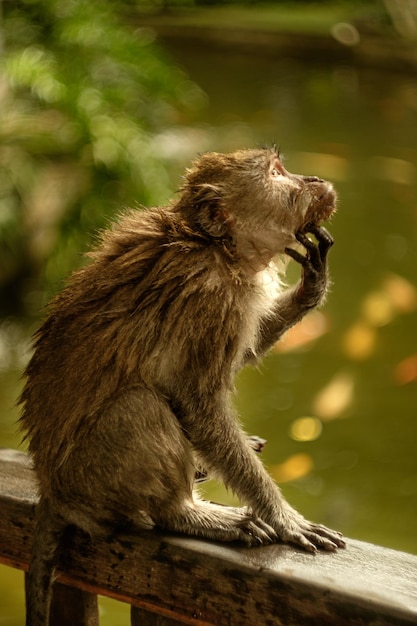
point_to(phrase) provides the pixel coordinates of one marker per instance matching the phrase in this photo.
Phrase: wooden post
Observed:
(73, 607)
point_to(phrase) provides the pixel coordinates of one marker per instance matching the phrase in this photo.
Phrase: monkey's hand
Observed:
(291, 527)
(313, 285)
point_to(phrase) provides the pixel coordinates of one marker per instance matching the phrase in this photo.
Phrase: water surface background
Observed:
(337, 400)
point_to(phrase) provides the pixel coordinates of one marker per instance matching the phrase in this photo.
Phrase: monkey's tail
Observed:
(48, 531)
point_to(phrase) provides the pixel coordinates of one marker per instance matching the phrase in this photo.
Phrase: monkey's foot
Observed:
(221, 523)
(291, 527)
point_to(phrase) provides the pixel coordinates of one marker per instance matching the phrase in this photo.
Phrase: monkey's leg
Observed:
(146, 470)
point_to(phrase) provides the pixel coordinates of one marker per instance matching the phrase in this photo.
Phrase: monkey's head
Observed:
(250, 197)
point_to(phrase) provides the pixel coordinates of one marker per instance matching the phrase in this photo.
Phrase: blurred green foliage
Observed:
(82, 97)
(84, 100)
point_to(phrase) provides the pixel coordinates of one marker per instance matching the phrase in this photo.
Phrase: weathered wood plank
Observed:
(71, 606)
(197, 582)
(140, 617)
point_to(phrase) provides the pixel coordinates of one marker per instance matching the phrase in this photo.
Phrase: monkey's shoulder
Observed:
(152, 259)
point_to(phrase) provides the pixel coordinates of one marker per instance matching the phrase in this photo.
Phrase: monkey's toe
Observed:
(258, 533)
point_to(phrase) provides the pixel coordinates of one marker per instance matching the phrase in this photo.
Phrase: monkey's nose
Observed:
(312, 179)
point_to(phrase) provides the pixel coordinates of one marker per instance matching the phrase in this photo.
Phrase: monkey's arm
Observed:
(213, 430)
(293, 304)
(255, 443)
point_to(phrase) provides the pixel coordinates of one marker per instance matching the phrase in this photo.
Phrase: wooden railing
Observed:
(171, 580)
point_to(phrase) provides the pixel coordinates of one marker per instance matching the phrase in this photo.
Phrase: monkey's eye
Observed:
(276, 172)
(277, 169)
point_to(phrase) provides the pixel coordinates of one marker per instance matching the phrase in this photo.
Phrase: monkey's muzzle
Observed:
(322, 204)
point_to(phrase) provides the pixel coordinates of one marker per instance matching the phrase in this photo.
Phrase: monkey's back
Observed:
(159, 304)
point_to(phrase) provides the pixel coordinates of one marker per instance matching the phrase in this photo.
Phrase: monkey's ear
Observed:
(210, 214)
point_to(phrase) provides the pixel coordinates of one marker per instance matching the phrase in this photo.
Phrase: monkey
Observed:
(256, 443)
(128, 393)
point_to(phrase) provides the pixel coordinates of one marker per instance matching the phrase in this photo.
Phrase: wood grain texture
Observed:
(190, 581)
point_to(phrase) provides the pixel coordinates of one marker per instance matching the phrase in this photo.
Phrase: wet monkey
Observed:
(128, 391)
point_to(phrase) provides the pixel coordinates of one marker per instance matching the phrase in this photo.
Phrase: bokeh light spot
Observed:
(333, 400)
(306, 429)
(359, 341)
(296, 466)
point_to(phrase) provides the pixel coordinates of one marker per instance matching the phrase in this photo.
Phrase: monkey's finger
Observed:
(297, 256)
(313, 252)
(299, 539)
(333, 535)
(320, 232)
(323, 237)
(321, 542)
